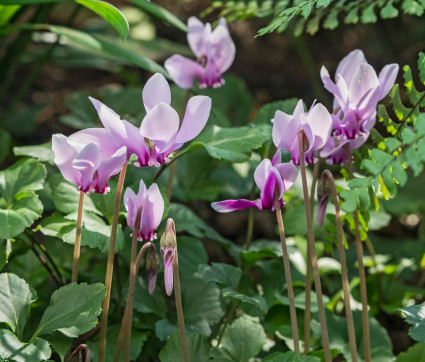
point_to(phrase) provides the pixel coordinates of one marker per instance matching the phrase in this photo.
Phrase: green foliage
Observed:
(289, 357)
(415, 316)
(414, 353)
(197, 345)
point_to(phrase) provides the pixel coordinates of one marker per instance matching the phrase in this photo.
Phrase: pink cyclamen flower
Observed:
(357, 91)
(215, 52)
(87, 159)
(168, 245)
(271, 177)
(316, 124)
(160, 132)
(152, 204)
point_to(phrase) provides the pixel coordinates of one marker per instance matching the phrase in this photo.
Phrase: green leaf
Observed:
(196, 344)
(83, 114)
(415, 316)
(368, 15)
(267, 112)
(244, 338)
(232, 144)
(191, 254)
(16, 297)
(221, 273)
(161, 13)
(144, 302)
(289, 357)
(257, 301)
(414, 353)
(73, 309)
(389, 11)
(60, 343)
(202, 305)
(42, 152)
(110, 13)
(7, 12)
(11, 348)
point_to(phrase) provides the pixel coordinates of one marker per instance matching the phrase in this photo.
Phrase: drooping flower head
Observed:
(357, 91)
(152, 205)
(87, 159)
(168, 245)
(160, 132)
(152, 267)
(272, 178)
(316, 124)
(215, 52)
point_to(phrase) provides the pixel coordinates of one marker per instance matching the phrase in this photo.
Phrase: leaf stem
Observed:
(46, 266)
(327, 175)
(312, 248)
(362, 273)
(179, 308)
(110, 267)
(289, 286)
(307, 313)
(77, 243)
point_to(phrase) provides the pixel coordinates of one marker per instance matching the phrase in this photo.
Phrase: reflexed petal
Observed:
(232, 205)
(143, 192)
(131, 204)
(288, 172)
(183, 71)
(320, 122)
(147, 221)
(262, 172)
(111, 166)
(284, 131)
(87, 162)
(364, 81)
(277, 158)
(195, 36)
(168, 257)
(299, 109)
(64, 155)
(223, 48)
(349, 64)
(156, 90)
(387, 78)
(154, 196)
(97, 136)
(273, 183)
(196, 116)
(161, 125)
(339, 90)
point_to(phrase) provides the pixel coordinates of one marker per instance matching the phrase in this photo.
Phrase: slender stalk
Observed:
(77, 244)
(344, 273)
(46, 266)
(119, 286)
(312, 248)
(362, 273)
(250, 224)
(287, 267)
(372, 253)
(307, 313)
(110, 267)
(126, 318)
(179, 308)
(226, 322)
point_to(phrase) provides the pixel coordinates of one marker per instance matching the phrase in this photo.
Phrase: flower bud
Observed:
(168, 245)
(152, 266)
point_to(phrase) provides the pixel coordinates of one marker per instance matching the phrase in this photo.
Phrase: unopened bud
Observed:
(168, 238)
(168, 244)
(152, 266)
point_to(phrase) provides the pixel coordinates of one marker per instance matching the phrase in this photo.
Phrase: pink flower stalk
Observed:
(160, 132)
(152, 266)
(357, 91)
(87, 160)
(152, 204)
(316, 124)
(271, 177)
(215, 52)
(168, 245)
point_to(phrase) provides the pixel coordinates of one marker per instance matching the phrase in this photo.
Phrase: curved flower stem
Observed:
(287, 267)
(344, 273)
(110, 267)
(127, 318)
(77, 243)
(362, 273)
(312, 248)
(179, 308)
(307, 314)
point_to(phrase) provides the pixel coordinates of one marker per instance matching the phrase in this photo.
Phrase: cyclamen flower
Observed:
(272, 178)
(316, 124)
(152, 204)
(87, 160)
(215, 52)
(168, 245)
(160, 132)
(357, 92)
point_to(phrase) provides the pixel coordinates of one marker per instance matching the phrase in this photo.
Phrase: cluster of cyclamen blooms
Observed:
(357, 92)
(90, 157)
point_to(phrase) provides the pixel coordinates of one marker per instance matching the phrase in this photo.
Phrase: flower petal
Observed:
(154, 196)
(161, 125)
(320, 122)
(195, 36)
(349, 64)
(156, 90)
(183, 70)
(97, 136)
(168, 257)
(147, 221)
(232, 205)
(223, 48)
(64, 155)
(131, 205)
(196, 116)
(277, 158)
(387, 78)
(284, 131)
(87, 162)
(289, 173)
(364, 81)
(262, 172)
(111, 166)
(273, 184)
